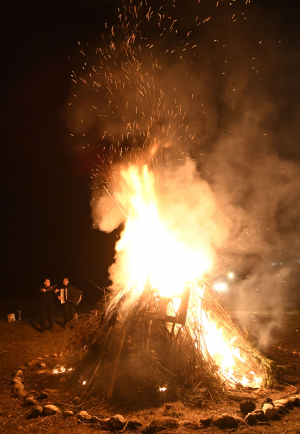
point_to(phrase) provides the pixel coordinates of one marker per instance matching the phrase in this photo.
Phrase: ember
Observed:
(61, 369)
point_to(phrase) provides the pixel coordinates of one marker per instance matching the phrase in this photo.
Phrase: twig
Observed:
(102, 289)
(84, 397)
(115, 369)
(128, 218)
(39, 379)
(263, 423)
(22, 415)
(293, 363)
(43, 419)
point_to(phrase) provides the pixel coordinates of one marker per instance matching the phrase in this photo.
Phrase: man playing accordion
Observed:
(69, 298)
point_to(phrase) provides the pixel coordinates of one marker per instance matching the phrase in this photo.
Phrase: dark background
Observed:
(46, 225)
(46, 229)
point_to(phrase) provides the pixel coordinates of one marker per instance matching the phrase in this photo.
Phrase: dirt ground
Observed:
(22, 345)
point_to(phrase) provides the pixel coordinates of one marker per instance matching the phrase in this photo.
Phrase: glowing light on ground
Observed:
(162, 389)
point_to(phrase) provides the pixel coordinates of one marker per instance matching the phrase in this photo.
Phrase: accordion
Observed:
(74, 295)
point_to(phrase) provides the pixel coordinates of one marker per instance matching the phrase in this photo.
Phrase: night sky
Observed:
(46, 224)
(46, 228)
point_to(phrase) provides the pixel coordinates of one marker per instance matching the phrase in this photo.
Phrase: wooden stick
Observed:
(148, 335)
(115, 370)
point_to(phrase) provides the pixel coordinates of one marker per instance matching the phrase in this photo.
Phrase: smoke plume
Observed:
(215, 89)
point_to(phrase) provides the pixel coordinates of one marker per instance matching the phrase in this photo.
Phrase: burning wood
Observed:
(132, 356)
(164, 324)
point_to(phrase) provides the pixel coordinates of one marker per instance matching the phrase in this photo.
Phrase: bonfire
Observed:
(163, 331)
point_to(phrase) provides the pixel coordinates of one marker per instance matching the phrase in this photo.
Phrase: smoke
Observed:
(222, 90)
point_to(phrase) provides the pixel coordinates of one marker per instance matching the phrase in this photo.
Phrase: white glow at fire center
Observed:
(220, 286)
(148, 248)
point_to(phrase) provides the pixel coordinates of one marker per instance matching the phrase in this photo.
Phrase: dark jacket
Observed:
(47, 298)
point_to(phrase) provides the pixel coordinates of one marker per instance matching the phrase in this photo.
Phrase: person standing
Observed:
(46, 304)
(67, 305)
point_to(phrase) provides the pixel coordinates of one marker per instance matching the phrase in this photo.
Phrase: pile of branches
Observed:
(122, 354)
(214, 307)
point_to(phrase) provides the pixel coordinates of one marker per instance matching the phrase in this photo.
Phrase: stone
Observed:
(260, 415)
(16, 380)
(105, 423)
(286, 402)
(160, 424)
(21, 393)
(269, 411)
(95, 419)
(247, 406)
(267, 401)
(281, 408)
(133, 425)
(44, 395)
(117, 421)
(205, 422)
(36, 411)
(84, 416)
(250, 419)
(218, 421)
(50, 409)
(29, 402)
(295, 401)
(19, 386)
(68, 413)
(43, 365)
(19, 373)
(230, 421)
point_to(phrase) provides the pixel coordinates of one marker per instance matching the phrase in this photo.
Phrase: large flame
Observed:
(148, 249)
(151, 250)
